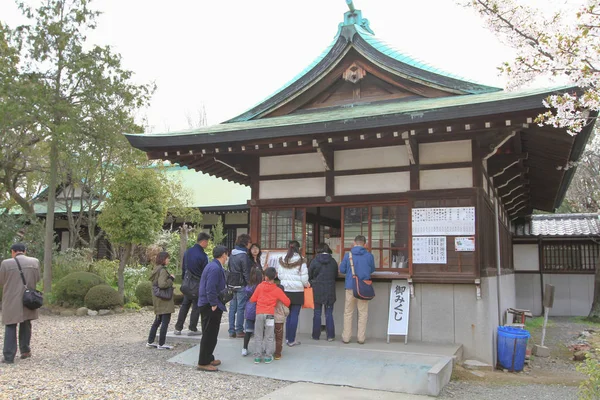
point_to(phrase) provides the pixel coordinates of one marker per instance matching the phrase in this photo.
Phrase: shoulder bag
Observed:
(226, 295)
(363, 289)
(190, 285)
(32, 299)
(164, 294)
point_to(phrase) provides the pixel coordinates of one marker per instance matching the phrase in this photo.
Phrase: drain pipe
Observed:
(498, 258)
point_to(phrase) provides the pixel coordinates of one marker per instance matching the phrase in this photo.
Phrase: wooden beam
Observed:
(516, 185)
(326, 155)
(490, 143)
(411, 147)
(500, 163)
(513, 173)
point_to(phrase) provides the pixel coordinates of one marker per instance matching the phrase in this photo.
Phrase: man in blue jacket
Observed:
(364, 266)
(211, 307)
(194, 261)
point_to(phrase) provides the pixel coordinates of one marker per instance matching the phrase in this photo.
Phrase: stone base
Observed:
(477, 365)
(541, 351)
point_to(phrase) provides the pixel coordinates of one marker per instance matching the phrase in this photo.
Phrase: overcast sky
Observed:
(229, 55)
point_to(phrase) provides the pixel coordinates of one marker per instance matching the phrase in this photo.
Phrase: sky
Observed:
(226, 56)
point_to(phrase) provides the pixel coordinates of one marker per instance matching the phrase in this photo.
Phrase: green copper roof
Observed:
(415, 109)
(355, 24)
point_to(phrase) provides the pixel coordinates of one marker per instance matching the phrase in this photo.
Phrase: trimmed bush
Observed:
(73, 287)
(143, 293)
(177, 295)
(102, 297)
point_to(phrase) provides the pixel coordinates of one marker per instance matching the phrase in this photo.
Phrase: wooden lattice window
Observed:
(386, 231)
(278, 227)
(570, 256)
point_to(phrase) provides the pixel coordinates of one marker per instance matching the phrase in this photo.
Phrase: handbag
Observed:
(32, 299)
(362, 289)
(190, 285)
(309, 299)
(164, 294)
(226, 295)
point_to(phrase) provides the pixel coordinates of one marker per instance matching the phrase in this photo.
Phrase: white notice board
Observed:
(429, 250)
(399, 309)
(446, 221)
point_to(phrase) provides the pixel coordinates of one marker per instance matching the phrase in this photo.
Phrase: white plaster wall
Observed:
(64, 240)
(236, 219)
(210, 219)
(240, 231)
(291, 164)
(573, 293)
(378, 157)
(289, 188)
(440, 313)
(526, 257)
(445, 152)
(446, 178)
(393, 182)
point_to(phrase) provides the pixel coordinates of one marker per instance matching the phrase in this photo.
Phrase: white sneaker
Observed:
(244, 352)
(165, 347)
(151, 345)
(177, 332)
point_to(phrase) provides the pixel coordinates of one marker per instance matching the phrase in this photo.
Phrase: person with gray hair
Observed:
(12, 273)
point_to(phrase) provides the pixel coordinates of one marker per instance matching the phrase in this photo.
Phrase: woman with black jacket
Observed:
(322, 273)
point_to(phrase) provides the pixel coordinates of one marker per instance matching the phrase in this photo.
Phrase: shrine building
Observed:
(431, 168)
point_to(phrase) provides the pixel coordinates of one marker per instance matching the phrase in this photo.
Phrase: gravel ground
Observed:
(106, 358)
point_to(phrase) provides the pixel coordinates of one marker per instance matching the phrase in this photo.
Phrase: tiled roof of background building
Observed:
(559, 225)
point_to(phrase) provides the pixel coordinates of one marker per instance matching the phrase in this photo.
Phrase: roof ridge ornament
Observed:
(354, 17)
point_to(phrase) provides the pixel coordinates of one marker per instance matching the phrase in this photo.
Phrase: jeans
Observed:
(183, 312)
(10, 339)
(236, 312)
(211, 322)
(264, 335)
(291, 323)
(330, 327)
(161, 320)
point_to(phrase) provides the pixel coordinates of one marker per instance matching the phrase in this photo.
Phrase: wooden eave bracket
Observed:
(490, 143)
(518, 185)
(500, 163)
(326, 155)
(516, 172)
(412, 148)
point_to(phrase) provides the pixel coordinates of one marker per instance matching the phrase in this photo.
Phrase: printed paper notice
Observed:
(464, 243)
(448, 221)
(429, 250)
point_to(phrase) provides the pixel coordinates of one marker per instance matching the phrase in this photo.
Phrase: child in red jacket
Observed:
(266, 296)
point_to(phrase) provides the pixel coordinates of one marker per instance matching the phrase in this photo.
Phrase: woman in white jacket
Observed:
(293, 274)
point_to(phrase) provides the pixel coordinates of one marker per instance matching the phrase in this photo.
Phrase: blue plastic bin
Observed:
(512, 346)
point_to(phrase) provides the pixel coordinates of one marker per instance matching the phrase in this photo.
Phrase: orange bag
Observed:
(309, 300)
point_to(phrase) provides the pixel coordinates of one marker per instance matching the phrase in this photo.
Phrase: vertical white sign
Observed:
(399, 309)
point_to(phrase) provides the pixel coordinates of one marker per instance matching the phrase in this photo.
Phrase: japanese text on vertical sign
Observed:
(399, 302)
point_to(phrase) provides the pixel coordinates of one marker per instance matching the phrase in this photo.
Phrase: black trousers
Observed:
(183, 312)
(161, 320)
(211, 322)
(10, 339)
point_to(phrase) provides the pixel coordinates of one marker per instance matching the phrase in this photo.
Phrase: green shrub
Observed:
(177, 295)
(133, 276)
(106, 269)
(102, 297)
(73, 287)
(132, 306)
(590, 388)
(143, 293)
(70, 260)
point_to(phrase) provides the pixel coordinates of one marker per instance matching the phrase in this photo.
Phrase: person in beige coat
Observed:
(13, 311)
(163, 308)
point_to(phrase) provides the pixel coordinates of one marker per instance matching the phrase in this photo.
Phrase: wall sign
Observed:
(399, 309)
(447, 221)
(429, 250)
(464, 243)
(270, 258)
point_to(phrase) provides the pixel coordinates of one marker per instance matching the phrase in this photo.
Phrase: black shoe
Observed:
(7, 362)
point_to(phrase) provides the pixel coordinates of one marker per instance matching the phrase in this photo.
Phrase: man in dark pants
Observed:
(211, 308)
(194, 261)
(13, 311)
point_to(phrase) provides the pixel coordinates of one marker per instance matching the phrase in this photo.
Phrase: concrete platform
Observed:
(417, 368)
(302, 391)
